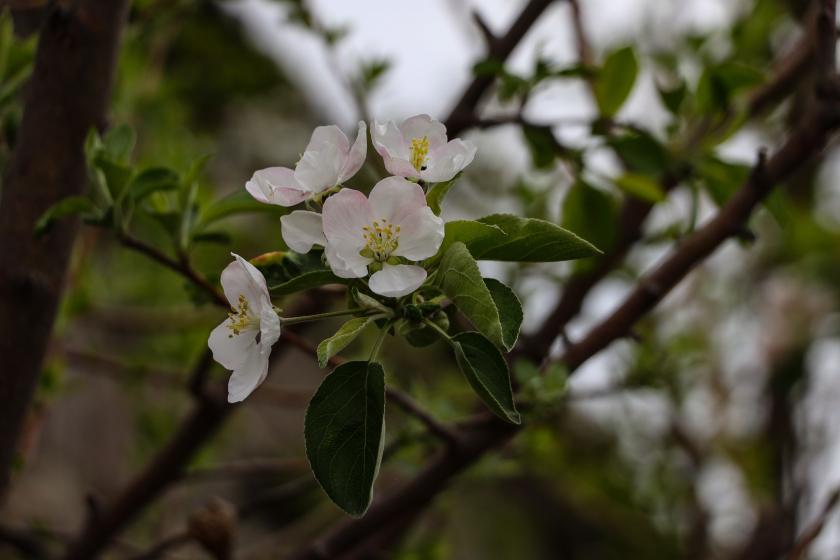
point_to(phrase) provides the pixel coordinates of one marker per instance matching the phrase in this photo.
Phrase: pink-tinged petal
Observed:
(242, 278)
(231, 350)
(255, 277)
(394, 198)
(248, 375)
(346, 262)
(388, 141)
(421, 234)
(328, 136)
(269, 327)
(318, 170)
(400, 167)
(421, 126)
(345, 215)
(276, 185)
(356, 156)
(447, 161)
(301, 230)
(397, 280)
(290, 197)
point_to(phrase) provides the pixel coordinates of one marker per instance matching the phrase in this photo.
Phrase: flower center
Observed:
(239, 316)
(419, 150)
(382, 239)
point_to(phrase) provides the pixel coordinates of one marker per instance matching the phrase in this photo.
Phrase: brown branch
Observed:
(810, 534)
(68, 95)
(464, 113)
(169, 465)
(181, 267)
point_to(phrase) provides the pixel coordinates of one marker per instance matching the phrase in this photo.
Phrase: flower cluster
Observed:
(383, 237)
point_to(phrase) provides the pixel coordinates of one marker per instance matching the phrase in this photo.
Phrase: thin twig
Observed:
(810, 534)
(181, 267)
(464, 113)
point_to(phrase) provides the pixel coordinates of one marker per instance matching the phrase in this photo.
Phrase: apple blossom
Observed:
(418, 149)
(242, 342)
(328, 161)
(393, 225)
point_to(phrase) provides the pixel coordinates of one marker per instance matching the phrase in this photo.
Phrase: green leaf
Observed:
(673, 97)
(641, 152)
(339, 341)
(434, 198)
(720, 83)
(504, 237)
(615, 80)
(591, 213)
(640, 187)
(345, 433)
(70, 206)
(543, 145)
(119, 142)
(460, 279)
(150, 180)
(510, 311)
(239, 202)
(467, 232)
(529, 240)
(721, 178)
(286, 273)
(487, 372)
(115, 174)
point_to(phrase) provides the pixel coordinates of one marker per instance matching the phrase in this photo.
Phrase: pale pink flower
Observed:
(418, 149)
(329, 160)
(394, 225)
(242, 342)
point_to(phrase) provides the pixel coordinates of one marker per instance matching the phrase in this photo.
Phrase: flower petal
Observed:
(356, 156)
(231, 350)
(328, 136)
(397, 280)
(269, 327)
(248, 376)
(447, 161)
(400, 167)
(346, 262)
(345, 214)
(421, 234)
(276, 185)
(319, 170)
(242, 278)
(388, 141)
(301, 230)
(423, 125)
(394, 198)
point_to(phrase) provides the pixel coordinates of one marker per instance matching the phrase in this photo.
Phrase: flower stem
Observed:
(378, 344)
(319, 316)
(439, 330)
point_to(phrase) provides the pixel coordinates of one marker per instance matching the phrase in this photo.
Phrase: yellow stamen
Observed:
(239, 317)
(382, 239)
(419, 151)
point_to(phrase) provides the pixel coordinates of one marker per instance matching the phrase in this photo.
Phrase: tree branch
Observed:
(464, 113)
(67, 95)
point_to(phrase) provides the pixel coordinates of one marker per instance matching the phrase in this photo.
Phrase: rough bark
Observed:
(67, 95)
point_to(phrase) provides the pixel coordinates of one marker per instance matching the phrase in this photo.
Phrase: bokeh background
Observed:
(678, 444)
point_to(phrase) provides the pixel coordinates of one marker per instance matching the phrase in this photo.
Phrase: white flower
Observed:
(242, 343)
(329, 160)
(418, 149)
(394, 224)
